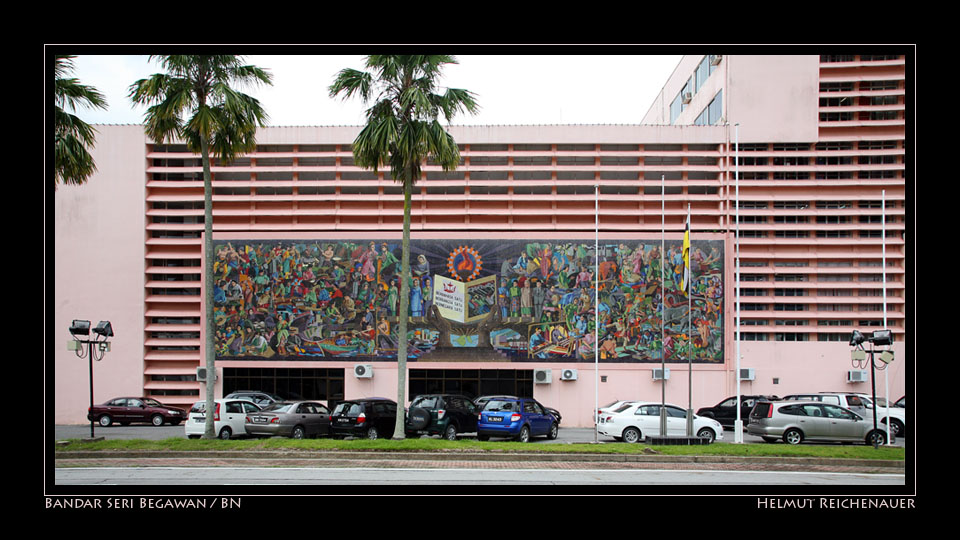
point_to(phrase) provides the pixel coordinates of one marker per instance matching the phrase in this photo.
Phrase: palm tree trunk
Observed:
(404, 308)
(208, 350)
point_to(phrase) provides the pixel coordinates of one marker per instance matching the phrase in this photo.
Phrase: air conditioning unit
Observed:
(363, 371)
(202, 374)
(661, 374)
(568, 375)
(747, 374)
(715, 59)
(542, 376)
(856, 375)
(687, 96)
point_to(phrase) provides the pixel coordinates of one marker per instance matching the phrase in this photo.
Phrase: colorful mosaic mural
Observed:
(524, 300)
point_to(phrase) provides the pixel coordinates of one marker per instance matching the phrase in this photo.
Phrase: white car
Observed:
(641, 419)
(229, 417)
(898, 422)
(612, 407)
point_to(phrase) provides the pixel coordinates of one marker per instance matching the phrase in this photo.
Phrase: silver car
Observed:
(296, 419)
(798, 421)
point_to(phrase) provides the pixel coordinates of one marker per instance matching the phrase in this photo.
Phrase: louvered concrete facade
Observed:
(810, 221)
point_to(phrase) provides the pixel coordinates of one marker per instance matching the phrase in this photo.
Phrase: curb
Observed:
(487, 457)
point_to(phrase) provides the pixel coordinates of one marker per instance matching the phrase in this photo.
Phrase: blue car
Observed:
(515, 418)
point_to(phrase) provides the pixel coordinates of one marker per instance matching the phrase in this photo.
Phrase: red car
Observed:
(135, 409)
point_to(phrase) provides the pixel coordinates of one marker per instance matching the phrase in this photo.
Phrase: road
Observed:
(286, 476)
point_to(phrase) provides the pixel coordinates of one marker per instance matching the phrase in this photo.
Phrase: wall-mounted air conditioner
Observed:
(202, 374)
(661, 374)
(687, 97)
(568, 375)
(363, 371)
(542, 376)
(747, 374)
(856, 375)
(715, 59)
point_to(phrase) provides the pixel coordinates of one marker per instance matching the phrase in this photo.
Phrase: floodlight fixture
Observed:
(856, 339)
(104, 328)
(882, 337)
(80, 328)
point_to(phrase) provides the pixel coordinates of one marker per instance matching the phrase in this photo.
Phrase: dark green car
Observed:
(446, 415)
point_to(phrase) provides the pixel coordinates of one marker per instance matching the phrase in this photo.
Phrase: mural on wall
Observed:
(519, 300)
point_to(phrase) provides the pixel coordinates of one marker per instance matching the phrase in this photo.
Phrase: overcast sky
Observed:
(510, 89)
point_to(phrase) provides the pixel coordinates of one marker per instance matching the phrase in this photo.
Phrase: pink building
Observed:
(822, 142)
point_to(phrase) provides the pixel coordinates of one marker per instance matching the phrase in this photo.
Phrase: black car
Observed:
(482, 400)
(372, 418)
(725, 412)
(441, 414)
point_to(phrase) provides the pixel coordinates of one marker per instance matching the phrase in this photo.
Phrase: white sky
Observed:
(511, 90)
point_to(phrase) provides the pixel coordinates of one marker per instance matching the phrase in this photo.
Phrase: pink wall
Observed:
(99, 253)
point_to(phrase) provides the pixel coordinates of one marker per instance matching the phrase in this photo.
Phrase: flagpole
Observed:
(738, 425)
(596, 314)
(883, 232)
(663, 304)
(688, 278)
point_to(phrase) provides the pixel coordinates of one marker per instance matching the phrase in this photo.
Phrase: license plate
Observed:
(199, 419)
(495, 418)
(343, 420)
(259, 420)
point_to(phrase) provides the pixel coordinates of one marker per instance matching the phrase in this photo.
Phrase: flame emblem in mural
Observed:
(464, 263)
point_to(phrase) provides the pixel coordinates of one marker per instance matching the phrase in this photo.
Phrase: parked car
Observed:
(368, 417)
(229, 417)
(898, 420)
(441, 414)
(902, 402)
(858, 403)
(725, 412)
(633, 422)
(798, 421)
(611, 407)
(126, 410)
(482, 400)
(518, 418)
(260, 398)
(295, 419)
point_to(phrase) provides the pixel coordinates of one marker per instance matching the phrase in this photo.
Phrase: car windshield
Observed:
(427, 402)
(501, 405)
(278, 407)
(348, 409)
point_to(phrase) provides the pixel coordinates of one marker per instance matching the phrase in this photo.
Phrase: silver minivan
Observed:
(798, 421)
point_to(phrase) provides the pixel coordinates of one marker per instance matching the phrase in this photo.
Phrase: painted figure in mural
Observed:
(539, 295)
(422, 267)
(526, 300)
(514, 299)
(416, 299)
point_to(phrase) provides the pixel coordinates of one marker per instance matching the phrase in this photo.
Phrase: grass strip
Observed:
(178, 444)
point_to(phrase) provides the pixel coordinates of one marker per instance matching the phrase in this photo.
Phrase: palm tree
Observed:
(195, 102)
(403, 130)
(72, 136)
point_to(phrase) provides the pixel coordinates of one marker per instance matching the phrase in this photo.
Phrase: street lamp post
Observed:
(95, 348)
(880, 337)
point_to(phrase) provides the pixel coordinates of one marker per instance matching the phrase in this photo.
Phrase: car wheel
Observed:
(156, 420)
(524, 435)
(793, 436)
(896, 428)
(105, 420)
(631, 435)
(298, 433)
(372, 434)
(450, 433)
(418, 418)
(877, 437)
(554, 431)
(225, 433)
(707, 433)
